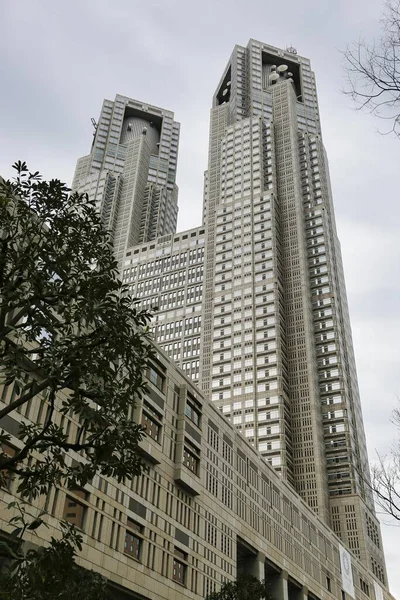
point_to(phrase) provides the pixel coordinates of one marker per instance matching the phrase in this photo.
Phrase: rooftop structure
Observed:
(131, 171)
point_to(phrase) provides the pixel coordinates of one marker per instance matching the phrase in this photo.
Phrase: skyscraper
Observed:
(276, 352)
(131, 171)
(253, 304)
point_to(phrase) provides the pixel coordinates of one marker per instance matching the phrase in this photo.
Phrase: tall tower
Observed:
(131, 171)
(276, 348)
(275, 351)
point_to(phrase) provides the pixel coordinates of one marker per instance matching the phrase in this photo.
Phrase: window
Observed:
(364, 587)
(133, 539)
(179, 566)
(328, 583)
(74, 511)
(193, 410)
(191, 457)
(156, 377)
(9, 452)
(151, 421)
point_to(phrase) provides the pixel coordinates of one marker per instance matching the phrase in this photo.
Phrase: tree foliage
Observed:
(373, 70)
(73, 346)
(246, 587)
(65, 326)
(47, 573)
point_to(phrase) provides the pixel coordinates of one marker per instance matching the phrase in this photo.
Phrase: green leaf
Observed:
(35, 524)
(16, 532)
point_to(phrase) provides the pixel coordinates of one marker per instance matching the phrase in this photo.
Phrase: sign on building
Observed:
(378, 591)
(347, 573)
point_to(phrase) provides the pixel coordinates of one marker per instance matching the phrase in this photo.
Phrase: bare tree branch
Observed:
(373, 70)
(386, 477)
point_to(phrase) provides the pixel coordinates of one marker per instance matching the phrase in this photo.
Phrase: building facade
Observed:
(168, 276)
(207, 509)
(252, 307)
(131, 171)
(276, 353)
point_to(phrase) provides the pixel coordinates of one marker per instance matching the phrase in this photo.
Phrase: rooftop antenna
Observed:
(291, 49)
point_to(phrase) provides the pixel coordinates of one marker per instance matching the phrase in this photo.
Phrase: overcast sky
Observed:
(59, 60)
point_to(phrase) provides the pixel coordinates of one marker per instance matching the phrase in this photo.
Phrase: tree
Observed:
(51, 572)
(74, 346)
(373, 70)
(386, 478)
(66, 327)
(246, 587)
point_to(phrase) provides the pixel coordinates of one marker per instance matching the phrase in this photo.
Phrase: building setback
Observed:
(168, 275)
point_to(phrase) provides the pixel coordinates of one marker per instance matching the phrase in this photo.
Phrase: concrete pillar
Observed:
(297, 591)
(258, 566)
(279, 586)
(284, 585)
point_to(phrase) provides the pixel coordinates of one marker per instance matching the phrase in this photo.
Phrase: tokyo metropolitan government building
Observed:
(255, 439)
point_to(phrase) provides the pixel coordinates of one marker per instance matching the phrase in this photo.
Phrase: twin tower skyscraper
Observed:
(252, 303)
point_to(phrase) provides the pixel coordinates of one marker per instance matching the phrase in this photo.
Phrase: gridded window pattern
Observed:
(377, 569)
(9, 451)
(151, 421)
(191, 457)
(193, 410)
(156, 377)
(75, 511)
(364, 586)
(133, 539)
(372, 530)
(179, 570)
(251, 238)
